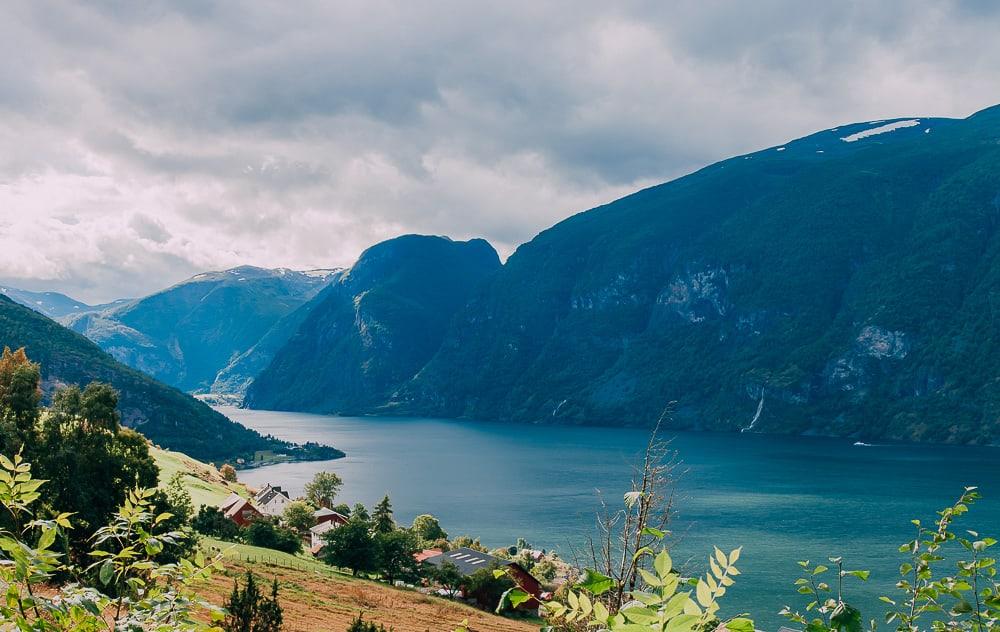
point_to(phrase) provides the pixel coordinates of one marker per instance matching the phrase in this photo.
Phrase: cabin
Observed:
(468, 561)
(272, 500)
(240, 510)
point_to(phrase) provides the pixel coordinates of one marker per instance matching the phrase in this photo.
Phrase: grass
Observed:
(202, 481)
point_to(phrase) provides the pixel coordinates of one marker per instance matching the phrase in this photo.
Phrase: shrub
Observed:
(250, 611)
(360, 625)
(212, 522)
(266, 534)
(228, 473)
(148, 595)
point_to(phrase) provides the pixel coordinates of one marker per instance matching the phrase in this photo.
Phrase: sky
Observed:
(141, 143)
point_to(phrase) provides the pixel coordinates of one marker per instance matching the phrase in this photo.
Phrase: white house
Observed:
(272, 500)
(316, 535)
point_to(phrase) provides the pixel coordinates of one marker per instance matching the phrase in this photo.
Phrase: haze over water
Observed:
(782, 498)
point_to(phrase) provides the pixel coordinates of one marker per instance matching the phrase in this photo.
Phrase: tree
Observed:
(251, 611)
(298, 515)
(210, 521)
(469, 543)
(20, 395)
(485, 587)
(360, 625)
(360, 512)
(99, 406)
(323, 489)
(228, 473)
(427, 528)
(446, 575)
(350, 546)
(91, 463)
(382, 521)
(394, 555)
(265, 533)
(343, 509)
(179, 498)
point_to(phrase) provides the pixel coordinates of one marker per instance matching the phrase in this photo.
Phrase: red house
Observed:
(239, 510)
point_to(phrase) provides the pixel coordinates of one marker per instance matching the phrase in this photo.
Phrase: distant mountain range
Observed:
(187, 334)
(52, 304)
(163, 414)
(843, 284)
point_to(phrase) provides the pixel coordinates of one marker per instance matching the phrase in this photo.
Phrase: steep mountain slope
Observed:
(52, 304)
(164, 414)
(186, 334)
(237, 376)
(844, 283)
(375, 326)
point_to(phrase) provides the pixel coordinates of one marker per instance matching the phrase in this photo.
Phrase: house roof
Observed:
(323, 511)
(323, 527)
(264, 497)
(238, 507)
(467, 560)
(426, 554)
(230, 500)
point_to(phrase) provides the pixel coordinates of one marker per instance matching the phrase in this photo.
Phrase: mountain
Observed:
(164, 414)
(845, 283)
(375, 326)
(188, 333)
(52, 304)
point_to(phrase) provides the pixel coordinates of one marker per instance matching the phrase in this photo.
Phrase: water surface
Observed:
(782, 498)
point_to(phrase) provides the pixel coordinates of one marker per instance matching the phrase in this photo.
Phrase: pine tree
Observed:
(382, 521)
(250, 611)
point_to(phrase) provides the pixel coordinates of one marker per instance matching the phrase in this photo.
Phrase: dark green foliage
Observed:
(394, 556)
(210, 521)
(446, 575)
(89, 462)
(375, 326)
(251, 611)
(360, 625)
(382, 521)
(848, 286)
(343, 509)
(351, 546)
(265, 533)
(485, 587)
(167, 416)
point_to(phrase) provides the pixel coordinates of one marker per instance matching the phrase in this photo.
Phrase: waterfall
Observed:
(756, 416)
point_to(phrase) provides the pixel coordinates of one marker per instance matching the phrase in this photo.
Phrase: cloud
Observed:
(144, 142)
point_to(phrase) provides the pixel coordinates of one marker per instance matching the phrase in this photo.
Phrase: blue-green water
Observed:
(782, 498)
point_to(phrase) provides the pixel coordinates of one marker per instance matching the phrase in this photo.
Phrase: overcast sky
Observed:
(141, 143)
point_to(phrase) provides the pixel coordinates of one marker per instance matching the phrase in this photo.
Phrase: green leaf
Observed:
(740, 624)
(663, 564)
(107, 571)
(595, 583)
(656, 533)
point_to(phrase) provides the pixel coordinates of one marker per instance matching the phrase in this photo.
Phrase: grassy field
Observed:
(315, 597)
(203, 482)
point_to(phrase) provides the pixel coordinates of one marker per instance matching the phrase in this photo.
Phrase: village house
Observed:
(468, 561)
(323, 514)
(239, 509)
(326, 520)
(272, 500)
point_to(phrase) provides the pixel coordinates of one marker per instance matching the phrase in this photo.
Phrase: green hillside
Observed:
(164, 414)
(375, 326)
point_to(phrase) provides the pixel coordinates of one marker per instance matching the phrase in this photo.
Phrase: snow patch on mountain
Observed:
(882, 129)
